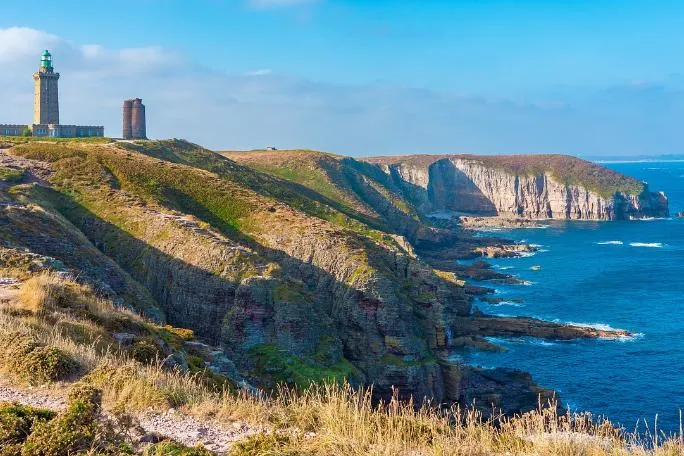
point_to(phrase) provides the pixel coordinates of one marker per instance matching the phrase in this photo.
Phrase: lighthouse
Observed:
(45, 93)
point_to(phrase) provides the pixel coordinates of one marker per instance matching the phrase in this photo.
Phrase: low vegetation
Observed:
(6, 141)
(9, 175)
(567, 170)
(68, 331)
(29, 361)
(322, 419)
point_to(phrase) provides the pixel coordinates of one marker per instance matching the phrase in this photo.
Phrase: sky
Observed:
(363, 77)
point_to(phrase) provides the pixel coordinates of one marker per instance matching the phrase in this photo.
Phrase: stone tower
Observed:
(45, 95)
(134, 123)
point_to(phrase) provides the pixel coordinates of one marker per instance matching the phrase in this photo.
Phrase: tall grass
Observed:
(324, 419)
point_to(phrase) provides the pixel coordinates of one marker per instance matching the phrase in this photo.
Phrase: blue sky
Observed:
(366, 77)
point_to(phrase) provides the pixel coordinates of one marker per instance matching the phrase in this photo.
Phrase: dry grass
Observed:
(321, 420)
(49, 291)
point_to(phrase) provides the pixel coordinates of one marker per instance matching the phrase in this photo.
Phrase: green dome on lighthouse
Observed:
(46, 60)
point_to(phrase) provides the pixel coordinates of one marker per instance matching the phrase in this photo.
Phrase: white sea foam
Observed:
(653, 245)
(508, 303)
(503, 268)
(526, 254)
(631, 338)
(528, 283)
(599, 326)
(537, 227)
(649, 219)
(610, 243)
(542, 343)
(603, 327)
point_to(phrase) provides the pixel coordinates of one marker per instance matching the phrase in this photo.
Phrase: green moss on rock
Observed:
(282, 367)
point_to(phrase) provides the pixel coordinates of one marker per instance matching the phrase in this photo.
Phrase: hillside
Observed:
(244, 271)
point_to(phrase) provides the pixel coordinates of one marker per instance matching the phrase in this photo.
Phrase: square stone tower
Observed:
(45, 94)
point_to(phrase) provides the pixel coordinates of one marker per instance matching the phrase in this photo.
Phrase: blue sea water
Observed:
(627, 275)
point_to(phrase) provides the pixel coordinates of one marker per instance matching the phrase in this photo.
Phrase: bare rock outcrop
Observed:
(482, 185)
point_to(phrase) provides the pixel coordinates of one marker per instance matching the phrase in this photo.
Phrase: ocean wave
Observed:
(631, 338)
(507, 303)
(502, 268)
(653, 245)
(649, 219)
(543, 343)
(610, 243)
(520, 341)
(536, 227)
(526, 254)
(599, 326)
(604, 327)
(528, 283)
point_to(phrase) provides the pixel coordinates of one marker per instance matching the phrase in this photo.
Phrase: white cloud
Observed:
(21, 42)
(243, 111)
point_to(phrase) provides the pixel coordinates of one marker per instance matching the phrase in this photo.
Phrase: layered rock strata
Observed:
(465, 184)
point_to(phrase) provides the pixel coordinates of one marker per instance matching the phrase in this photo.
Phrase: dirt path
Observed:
(186, 430)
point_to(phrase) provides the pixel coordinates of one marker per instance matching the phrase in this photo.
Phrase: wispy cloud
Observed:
(260, 107)
(262, 72)
(21, 42)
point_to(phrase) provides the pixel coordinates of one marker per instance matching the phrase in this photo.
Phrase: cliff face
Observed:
(296, 280)
(474, 186)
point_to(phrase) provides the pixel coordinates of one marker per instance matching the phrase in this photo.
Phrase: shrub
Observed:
(50, 291)
(80, 428)
(22, 357)
(47, 364)
(43, 292)
(170, 448)
(71, 432)
(263, 444)
(17, 422)
(145, 350)
(128, 387)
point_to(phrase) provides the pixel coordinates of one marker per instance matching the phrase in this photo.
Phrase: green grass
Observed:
(292, 292)
(18, 421)
(11, 140)
(170, 448)
(10, 175)
(281, 367)
(569, 170)
(323, 200)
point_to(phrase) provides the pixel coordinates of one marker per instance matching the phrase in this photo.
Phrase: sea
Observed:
(624, 274)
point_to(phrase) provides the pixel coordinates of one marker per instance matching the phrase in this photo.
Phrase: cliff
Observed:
(535, 187)
(295, 267)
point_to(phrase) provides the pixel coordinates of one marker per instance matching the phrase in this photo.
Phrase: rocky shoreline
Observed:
(492, 326)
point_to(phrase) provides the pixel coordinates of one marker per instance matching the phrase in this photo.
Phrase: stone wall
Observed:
(12, 130)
